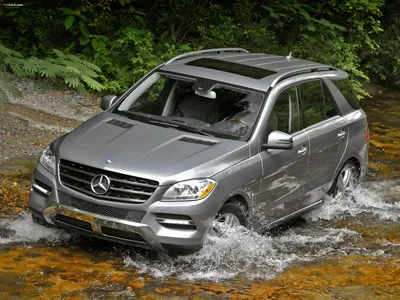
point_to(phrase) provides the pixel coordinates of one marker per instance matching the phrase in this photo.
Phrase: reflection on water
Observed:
(384, 124)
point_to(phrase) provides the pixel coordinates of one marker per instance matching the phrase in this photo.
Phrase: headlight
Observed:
(48, 161)
(195, 189)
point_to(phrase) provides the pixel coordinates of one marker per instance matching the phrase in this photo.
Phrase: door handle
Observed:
(302, 151)
(341, 135)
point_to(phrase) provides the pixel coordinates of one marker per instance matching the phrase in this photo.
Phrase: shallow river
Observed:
(348, 249)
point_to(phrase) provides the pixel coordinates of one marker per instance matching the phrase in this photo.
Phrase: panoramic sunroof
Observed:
(230, 67)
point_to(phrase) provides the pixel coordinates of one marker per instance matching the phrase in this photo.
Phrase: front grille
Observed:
(74, 222)
(103, 210)
(123, 188)
(126, 235)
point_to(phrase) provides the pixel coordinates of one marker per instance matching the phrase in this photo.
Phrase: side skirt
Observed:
(293, 215)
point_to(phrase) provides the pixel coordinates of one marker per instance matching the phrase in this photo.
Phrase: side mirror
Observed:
(279, 140)
(107, 101)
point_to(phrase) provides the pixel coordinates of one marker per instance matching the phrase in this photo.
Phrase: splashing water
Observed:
(23, 230)
(241, 253)
(368, 199)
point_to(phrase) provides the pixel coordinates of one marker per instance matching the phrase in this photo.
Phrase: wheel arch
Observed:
(238, 199)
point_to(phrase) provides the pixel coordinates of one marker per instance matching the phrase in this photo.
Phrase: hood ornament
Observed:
(109, 161)
(289, 56)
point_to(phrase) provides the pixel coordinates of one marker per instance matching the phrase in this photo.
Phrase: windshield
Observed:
(222, 111)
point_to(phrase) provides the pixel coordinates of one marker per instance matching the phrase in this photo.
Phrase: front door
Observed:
(284, 171)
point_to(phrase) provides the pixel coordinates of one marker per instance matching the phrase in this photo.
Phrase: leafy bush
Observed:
(127, 38)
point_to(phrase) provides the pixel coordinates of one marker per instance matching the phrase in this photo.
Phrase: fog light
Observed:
(176, 221)
(41, 188)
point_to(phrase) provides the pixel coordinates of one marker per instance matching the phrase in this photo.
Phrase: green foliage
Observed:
(128, 38)
(72, 70)
(383, 62)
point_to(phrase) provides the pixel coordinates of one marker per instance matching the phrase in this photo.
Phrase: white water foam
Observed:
(369, 199)
(23, 230)
(243, 254)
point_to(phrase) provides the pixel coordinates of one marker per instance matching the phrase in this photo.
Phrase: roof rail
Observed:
(311, 68)
(205, 51)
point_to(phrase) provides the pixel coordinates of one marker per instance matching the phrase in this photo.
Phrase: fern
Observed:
(67, 68)
(7, 89)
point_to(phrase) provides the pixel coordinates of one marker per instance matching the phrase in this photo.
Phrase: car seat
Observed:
(199, 108)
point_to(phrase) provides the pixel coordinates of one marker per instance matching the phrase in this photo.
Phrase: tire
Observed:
(39, 221)
(345, 180)
(232, 214)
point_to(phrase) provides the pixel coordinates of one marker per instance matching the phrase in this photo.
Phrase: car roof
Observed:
(275, 67)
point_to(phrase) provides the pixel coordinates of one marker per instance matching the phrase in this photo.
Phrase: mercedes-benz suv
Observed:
(209, 137)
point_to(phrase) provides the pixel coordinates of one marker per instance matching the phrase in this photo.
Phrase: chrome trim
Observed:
(97, 221)
(40, 189)
(206, 51)
(135, 193)
(104, 197)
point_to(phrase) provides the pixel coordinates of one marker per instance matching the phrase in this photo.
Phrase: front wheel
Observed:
(345, 181)
(231, 214)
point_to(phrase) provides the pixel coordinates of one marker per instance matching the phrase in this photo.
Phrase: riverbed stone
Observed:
(14, 171)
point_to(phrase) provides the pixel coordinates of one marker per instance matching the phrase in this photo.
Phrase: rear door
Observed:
(327, 131)
(284, 171)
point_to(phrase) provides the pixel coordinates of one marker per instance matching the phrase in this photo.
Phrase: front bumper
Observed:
(150, 231)
(100, 226)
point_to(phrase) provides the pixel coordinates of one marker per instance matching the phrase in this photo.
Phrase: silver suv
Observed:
(209, 137)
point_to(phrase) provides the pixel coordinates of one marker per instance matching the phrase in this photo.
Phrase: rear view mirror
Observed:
(107, 101)
(279, 140)
(208, 94)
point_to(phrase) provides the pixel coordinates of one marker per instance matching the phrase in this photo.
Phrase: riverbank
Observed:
(27, 125)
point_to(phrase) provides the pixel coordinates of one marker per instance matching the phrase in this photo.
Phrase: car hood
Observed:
(163, 154)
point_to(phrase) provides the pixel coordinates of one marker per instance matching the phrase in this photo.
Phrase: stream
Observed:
(345, 249)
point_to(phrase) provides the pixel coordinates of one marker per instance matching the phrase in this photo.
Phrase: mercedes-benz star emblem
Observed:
(100, 184)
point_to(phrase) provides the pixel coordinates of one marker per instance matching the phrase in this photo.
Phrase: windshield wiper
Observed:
(180, 126)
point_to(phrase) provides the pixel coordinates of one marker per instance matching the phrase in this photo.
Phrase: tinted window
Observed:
(231, 113)
(346, 89)
(226, 66)
(312, 103)
(330, 108)
(285, 114)
(150, 101)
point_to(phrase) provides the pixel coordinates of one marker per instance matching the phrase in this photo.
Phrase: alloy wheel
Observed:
(345, 182)
(228, 219)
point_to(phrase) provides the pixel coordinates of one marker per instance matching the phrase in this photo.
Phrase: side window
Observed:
(347, 91)
(312, 102)
(330, 108)
(285, 114)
